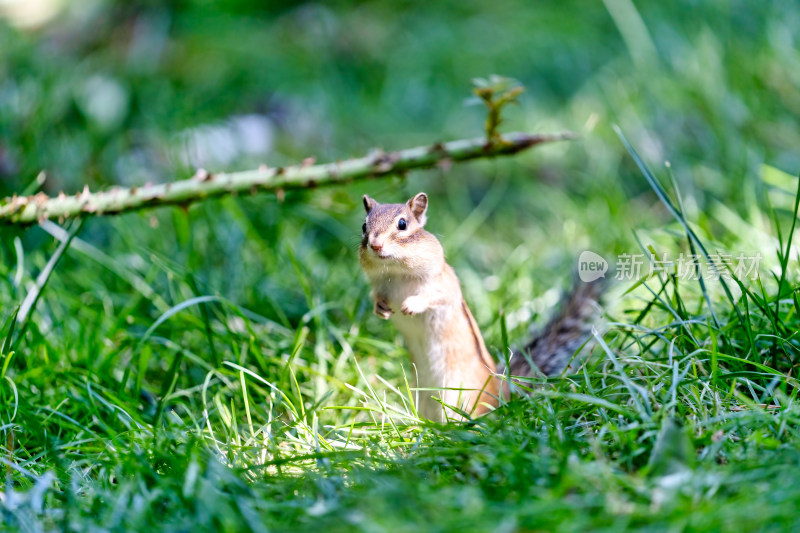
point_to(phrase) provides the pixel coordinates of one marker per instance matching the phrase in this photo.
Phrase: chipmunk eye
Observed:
(364, 228)
(401, 224)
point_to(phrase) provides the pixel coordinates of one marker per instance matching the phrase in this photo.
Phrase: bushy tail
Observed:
(554, 347)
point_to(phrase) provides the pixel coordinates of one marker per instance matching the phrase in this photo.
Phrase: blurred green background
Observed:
(99, 93)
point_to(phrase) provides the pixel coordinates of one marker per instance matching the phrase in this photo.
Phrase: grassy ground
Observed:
(219, 368)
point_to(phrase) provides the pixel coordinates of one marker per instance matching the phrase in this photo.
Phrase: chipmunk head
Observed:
(394, 235)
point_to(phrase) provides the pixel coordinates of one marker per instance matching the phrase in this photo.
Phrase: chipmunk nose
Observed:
(376, 243)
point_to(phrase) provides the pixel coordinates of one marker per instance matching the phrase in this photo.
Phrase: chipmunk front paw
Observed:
(382, 309)
(414, 305)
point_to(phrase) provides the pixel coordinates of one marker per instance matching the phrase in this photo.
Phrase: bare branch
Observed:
(24, 210)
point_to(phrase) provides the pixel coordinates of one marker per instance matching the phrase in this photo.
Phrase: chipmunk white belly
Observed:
(423, 334)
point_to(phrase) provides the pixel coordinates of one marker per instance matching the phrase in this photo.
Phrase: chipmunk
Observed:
(413, 285)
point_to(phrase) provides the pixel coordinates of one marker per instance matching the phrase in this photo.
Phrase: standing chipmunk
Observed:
(414, 286)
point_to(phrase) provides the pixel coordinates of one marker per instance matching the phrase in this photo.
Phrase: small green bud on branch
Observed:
(496, 92)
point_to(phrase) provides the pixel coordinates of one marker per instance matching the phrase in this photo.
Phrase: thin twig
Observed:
(24, 210)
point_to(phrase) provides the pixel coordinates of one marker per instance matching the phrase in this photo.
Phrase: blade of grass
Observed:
(679, 216)
(31, 299)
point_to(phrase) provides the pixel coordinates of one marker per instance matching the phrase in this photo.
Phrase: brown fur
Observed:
(551, 350)
(414, 287)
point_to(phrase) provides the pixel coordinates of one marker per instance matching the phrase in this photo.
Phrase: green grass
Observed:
(220, 369)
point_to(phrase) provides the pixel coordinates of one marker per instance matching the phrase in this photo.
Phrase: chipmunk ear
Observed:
(418, 205)
(369, 203)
